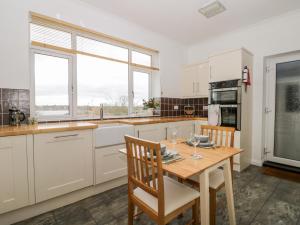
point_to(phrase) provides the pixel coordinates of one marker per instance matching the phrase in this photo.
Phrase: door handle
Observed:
(267, 110)
(66, 136)
(193, 87)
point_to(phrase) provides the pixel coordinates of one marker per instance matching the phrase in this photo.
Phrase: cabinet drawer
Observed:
(63, 163)
(110, 163)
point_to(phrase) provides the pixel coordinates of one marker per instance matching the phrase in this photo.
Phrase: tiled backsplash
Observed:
(19, 98)
(168, 106)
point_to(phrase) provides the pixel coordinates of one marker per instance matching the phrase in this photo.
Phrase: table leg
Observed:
(229, 192)
(204, 197)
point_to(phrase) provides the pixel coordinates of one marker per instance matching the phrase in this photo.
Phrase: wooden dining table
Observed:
(212, 158)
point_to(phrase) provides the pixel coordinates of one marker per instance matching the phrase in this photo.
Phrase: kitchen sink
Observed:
(112, 134)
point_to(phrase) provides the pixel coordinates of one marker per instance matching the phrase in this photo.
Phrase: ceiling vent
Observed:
(211, 9)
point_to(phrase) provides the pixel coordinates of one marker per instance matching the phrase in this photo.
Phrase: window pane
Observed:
(101, 48)
(141, 90)
(50, 36)
(101, 82)
(140, 58)
(51, 85)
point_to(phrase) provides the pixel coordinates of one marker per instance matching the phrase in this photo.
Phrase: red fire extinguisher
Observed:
(246, 77)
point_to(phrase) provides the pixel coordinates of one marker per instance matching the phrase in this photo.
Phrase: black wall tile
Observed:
(19, 98)
(167, 106)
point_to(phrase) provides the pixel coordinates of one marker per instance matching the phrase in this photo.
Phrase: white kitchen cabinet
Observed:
(152, 132)
(183, 129)
(13, 173)
(228, 65)
(195, 80)
(110, 163)
(63, 163)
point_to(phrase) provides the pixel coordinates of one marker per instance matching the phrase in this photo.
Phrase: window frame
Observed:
(73, 94)
(57, 54)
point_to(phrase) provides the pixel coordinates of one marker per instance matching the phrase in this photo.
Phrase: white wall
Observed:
(270, 37)
(14, 38)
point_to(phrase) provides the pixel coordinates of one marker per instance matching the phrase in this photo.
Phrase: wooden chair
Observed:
(222, 136)
(160, 197)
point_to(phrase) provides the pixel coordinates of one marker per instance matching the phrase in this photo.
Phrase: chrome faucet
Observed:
(101, 111)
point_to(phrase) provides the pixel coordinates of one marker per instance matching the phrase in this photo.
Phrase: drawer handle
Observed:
(65, 136)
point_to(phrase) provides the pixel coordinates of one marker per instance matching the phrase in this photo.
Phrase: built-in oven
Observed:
(227, 94)
(231, 116)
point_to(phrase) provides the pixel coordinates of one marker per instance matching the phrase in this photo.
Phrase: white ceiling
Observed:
(180, 20)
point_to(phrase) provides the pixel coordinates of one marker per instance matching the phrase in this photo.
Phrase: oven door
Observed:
(224, 96)
(230, 116)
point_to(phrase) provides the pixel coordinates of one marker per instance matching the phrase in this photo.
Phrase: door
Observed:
(63, 163)
(110, 163)
(13, 173)
(182, 129)
(283, 110)
(188, 81)
(226, 66)
(153, 132)
(203, 80)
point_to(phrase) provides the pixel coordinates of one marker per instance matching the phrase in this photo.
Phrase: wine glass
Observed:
(195, 142)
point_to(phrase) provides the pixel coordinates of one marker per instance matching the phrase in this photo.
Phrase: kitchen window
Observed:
(74, 72)
(104, 82)
(141, 91)
(52, 97)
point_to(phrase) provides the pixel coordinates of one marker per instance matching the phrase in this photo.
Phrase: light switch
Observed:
(176, 107)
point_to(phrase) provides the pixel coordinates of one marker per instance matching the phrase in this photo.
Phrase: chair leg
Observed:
(196, 212)
(130, 212)
(180, 180)
(212, 206)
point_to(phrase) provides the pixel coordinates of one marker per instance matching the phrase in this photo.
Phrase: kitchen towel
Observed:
(214, 115)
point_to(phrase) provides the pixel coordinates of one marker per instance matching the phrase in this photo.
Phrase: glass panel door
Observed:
(287, 111)
(282, 120)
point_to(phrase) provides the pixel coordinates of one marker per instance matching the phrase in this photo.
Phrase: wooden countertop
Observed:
(151, 120)
(45, 128)
(84, 125)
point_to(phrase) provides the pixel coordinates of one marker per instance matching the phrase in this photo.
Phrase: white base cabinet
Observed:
(110, 163)
(152, 132)
(182, 129)
(63, 163)
(13, 173)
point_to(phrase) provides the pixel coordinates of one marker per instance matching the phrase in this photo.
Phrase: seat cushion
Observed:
(216, 178)
(176, 195)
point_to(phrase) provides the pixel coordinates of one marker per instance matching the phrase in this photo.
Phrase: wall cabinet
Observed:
(195, 80)
(13, 173)
(110, 163)
(227, 65)
(63, 163)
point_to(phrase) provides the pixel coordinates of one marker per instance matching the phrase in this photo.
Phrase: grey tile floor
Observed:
(259, 200)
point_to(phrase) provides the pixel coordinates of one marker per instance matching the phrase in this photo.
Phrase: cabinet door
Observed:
(110, 163)
(202, 80)
(13, 173)
(183, 129)
(189, 81)
(153, 132)
(227, 66)
(63, 163)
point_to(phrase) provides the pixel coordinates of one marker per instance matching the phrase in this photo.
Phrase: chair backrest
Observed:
(222, 136)
(144, 164)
